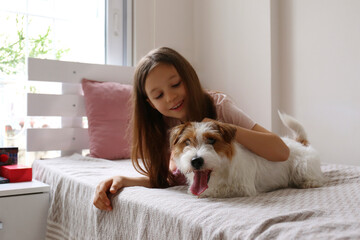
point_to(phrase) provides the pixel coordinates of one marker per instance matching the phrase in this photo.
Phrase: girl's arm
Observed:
(112, 185)
(263, 143)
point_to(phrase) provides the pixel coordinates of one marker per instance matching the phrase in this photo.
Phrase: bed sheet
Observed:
(329, 212)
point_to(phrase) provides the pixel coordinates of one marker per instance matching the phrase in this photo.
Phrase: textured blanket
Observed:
(329, 212)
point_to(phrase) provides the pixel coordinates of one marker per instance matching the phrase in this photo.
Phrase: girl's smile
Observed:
(166, 91)
(178, 106)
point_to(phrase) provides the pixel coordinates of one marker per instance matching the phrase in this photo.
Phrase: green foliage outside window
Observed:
(13, 53)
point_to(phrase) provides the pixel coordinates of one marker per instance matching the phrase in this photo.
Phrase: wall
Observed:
(160, 23)
(232, 52)
(211, 34)
(300, 56)
(320, 73)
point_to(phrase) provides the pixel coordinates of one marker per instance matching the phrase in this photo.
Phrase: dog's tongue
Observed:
(200, 182)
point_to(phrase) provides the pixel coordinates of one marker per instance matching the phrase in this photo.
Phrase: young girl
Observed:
(167, 92)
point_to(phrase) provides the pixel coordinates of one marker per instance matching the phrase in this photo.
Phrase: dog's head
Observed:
(201, 149)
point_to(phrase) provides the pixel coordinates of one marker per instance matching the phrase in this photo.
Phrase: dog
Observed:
(215, 165)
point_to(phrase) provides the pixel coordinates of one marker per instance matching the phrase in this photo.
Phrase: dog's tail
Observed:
(296, 128)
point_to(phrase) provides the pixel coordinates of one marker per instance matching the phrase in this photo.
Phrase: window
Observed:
(95, 31)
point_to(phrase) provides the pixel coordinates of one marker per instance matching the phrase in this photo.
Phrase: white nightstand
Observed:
(23, 210)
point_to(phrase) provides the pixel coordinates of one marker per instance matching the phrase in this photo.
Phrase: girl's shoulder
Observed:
(218, 97)
(228, 112)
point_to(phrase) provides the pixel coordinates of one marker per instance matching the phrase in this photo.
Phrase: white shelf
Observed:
(11, 189)
(23, 210)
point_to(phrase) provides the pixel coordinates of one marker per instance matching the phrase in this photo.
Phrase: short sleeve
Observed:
(228, 112)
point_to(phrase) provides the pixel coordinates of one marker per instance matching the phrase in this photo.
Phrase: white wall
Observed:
(160, 23)
(320, 73)
(228, 43)
(232, 52)
(302, 56)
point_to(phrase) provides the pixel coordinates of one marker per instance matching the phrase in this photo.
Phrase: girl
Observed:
(167, 92)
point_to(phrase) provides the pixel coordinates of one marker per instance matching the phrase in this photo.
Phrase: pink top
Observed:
(226, 111)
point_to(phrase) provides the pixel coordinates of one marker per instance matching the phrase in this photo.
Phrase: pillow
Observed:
(108, 110)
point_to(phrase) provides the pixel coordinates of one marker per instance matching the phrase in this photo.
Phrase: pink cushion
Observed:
(108, 111)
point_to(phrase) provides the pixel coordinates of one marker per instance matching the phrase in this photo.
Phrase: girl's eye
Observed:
(176, 85)
(211, 141)
(187, 142)
(159, 96)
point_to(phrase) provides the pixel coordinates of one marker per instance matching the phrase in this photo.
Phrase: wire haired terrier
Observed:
(215, 165)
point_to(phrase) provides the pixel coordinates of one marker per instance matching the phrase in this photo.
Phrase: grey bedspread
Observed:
(329, 212)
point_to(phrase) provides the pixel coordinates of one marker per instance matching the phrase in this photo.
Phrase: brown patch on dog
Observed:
(185, 134)
(176, 132)
(227, 131)
(303, 141)
(224, 137)
(180, 136)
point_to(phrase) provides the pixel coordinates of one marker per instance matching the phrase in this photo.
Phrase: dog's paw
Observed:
(311, 184)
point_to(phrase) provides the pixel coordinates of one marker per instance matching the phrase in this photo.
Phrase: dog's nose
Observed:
(197, 162)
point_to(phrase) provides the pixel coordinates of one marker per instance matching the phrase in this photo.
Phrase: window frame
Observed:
(119, 32)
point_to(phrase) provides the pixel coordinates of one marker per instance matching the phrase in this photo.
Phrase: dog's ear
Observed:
(176, 133)
(228, 131)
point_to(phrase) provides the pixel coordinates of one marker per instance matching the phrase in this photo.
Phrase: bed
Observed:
(329, 212)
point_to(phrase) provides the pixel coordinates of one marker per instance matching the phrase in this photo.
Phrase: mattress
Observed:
(329, 212)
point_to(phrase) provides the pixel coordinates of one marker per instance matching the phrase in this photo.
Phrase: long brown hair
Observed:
(150, 143)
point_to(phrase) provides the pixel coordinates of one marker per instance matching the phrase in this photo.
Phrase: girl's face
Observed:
(166, 91)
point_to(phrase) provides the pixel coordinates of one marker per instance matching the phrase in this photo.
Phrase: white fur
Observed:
(247, 174)
(293, 125)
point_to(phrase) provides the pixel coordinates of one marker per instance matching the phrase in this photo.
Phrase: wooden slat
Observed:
(73, 72)
(70, 106)
(65, 139)
(55, 105)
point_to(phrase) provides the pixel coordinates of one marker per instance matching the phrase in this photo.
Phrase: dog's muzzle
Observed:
(201, 176)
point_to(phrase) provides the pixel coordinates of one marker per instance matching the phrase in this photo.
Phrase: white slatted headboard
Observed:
(71, 137)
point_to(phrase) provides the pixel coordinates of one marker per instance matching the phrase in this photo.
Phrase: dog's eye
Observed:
(211, 141)
(187, 142)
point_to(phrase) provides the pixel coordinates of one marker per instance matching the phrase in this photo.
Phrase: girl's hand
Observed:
(112, 185)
